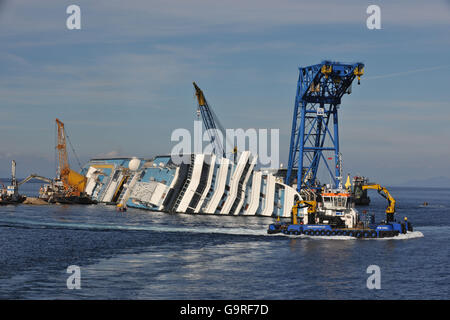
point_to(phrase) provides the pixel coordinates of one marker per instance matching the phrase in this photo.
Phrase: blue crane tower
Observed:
(315, 131)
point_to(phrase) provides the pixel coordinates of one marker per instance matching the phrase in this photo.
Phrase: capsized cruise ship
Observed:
(201, 184)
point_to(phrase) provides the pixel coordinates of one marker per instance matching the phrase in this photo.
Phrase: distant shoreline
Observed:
(418, 187)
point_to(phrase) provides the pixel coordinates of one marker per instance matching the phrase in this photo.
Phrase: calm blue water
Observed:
(144, 255)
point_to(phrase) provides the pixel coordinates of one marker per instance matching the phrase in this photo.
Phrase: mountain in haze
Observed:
(438, 182)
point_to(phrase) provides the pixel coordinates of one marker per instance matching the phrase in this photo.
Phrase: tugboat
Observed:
(335, 215)
(10, 194)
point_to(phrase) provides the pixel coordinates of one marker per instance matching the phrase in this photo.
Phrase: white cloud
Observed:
(110, 154)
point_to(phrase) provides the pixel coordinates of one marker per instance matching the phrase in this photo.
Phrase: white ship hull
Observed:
(201, 185)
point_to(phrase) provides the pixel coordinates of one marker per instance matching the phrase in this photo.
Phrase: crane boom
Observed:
(63, 162)
(209, 122)
(390, 210)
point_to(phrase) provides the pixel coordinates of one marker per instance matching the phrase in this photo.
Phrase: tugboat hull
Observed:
(391, 229)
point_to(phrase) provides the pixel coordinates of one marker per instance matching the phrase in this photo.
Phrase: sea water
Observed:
(141, 254)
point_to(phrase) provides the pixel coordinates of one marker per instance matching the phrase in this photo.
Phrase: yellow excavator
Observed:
(312, 205)
(280, 227)
(390, 210)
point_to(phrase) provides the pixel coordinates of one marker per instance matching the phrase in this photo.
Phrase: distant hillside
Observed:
(438, 182)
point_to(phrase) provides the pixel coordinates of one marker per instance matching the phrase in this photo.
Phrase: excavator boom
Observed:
(390, 210)
(35, 176)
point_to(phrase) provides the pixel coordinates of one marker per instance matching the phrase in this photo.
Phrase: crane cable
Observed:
(71, 146)
(57, 167)
(226, 141)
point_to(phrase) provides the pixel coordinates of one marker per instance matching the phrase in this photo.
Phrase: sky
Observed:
(123, 82)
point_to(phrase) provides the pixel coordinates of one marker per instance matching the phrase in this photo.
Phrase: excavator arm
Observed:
(390, 210)
(312, 205)
(35, 176)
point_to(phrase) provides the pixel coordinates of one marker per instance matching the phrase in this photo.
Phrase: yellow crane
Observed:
(73, 182)
(312, 205)
(390, 210)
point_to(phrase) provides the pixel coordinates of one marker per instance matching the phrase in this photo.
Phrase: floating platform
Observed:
(72, 200)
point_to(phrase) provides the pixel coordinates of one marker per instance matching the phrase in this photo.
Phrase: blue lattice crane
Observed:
(315, 130)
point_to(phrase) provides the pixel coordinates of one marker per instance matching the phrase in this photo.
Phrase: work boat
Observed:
(333, 214)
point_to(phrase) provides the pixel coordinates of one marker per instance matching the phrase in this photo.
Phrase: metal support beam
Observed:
(320, 89)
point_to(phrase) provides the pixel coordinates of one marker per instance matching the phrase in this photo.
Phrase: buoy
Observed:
(121, 207)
